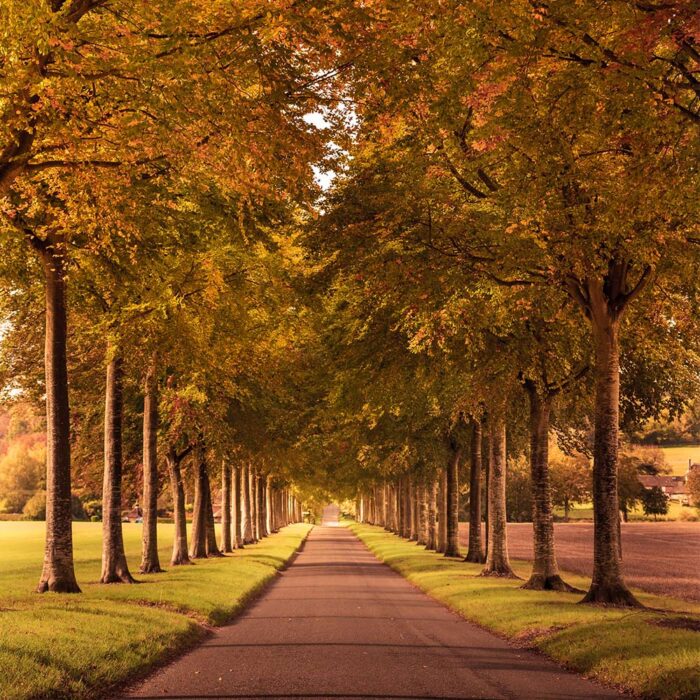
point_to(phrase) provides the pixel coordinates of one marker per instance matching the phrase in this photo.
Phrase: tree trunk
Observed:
(180, 553)
(260, 490)
(408, 508)
(442, 512)
(452, 487)
(269, 525)
(236, 507)
(114, 566)
(497, 562)
(487, 486)
(198, 545)
(545, 572)
(247, 508)
(413, 501)
(256, 499)
(475, 552)
(226, 541)
(150, 562)
(212, 545)
(422, 493)
(431, 542)
(607, 585)
(58, 574)
(253, 505)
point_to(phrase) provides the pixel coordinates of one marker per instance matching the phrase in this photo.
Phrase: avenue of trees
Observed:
(507, 253)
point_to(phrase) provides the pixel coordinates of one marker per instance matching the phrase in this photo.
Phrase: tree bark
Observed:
(407, 508)
(607, 585)
(422, 500)
(269, 526)
(256, 499)
(545, 572)
(114, 566)
(236, 507)
(431, 489)
(212, 545)
(413, 500)
(226, 540)
(150, 562)
(180, 553)
(442, 512)
(475, 552)
(253, 505)
(487, 485)
(497, 561)
(247, 509)
(452, 488)
(58, 574)
(198, 544)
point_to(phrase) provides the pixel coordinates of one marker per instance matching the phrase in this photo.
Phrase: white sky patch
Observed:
(324, 178)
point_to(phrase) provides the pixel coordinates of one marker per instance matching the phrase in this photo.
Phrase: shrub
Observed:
(35, 507)
(93, 510)
(14, 501)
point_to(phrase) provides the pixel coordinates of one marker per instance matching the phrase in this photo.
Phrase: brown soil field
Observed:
(659, 557)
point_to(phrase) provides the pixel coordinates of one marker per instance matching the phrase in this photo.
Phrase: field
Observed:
(584, 511)
(677, 457)
(74, 646)
(661, 558)
(637, 651)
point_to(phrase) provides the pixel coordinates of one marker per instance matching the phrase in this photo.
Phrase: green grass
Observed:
(80, 646)
(618, 647)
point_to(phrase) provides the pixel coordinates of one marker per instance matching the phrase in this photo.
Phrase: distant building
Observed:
(673, 486)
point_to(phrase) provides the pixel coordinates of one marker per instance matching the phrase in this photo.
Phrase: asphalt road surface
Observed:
(339, 624)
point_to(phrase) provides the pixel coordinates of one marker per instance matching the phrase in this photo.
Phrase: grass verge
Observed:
(81, 646)
(629, 650)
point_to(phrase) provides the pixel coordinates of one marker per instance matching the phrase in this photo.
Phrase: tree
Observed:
(571, 480)
(497, 560)
(654, 501)
(693, 485)
(475, 551)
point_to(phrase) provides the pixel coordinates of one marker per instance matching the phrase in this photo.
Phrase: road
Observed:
(339, 624)
(661, 557)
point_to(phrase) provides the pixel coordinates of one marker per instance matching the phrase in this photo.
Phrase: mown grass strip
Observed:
(625, 649)
(81, 646)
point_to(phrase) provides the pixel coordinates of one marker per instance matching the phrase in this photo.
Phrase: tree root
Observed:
(538, 582)
(617, 595)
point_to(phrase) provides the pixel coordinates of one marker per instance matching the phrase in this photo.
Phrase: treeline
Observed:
(509, 244)
(510, 250)
(155, 160)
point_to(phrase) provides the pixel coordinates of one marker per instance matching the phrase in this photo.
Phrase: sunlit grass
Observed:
(619, 647)
(58, 646)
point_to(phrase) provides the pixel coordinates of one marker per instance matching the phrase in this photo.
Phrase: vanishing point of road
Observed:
(339, 624)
